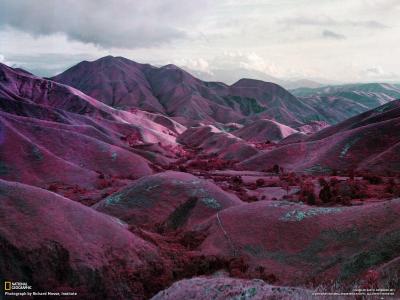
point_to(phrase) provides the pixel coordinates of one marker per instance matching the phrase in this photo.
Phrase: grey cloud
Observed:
(332, 35)
(374, 70)
(327, 21)
(106, 23)
(369, 24)
(378, 73)
(381, 4)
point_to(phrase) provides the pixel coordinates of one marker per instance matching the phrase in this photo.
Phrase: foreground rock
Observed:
(221, 288)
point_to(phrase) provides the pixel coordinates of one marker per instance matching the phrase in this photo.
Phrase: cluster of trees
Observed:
(343, 191)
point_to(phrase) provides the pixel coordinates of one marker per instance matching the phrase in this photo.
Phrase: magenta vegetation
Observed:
(121, 180)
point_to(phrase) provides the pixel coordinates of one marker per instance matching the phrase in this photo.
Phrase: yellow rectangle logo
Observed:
(7, 285)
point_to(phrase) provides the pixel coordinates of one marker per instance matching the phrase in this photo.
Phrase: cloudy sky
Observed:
(324, 40)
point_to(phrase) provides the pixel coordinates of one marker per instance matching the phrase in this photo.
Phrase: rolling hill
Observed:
(366, 142)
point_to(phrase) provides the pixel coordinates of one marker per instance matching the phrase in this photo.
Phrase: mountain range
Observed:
(124, 84)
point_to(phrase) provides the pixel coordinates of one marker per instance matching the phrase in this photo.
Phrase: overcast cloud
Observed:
(345, 41)
(332, 35)
(106, 23)
(317, 20)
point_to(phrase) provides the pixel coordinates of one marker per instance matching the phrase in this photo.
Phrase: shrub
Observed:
(192, 239)
(290, 178)
(238, 267)
(307, 193)
(53, 188)
(373, 179)
(322, 182)
(210, 164)
(251, 199)
(357, 189)
(104, 183)
(267, 277)
(260, 182)
(343, 192)
(334, 181)
(286, 186)
(182, 169)
(351, 174)
(252, 186)
(237, 180)
(392, 187)
(325, 195)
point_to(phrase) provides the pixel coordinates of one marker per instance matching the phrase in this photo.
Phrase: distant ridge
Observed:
(170, 90)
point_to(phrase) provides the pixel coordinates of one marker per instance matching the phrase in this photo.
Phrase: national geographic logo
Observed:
(11, 286)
